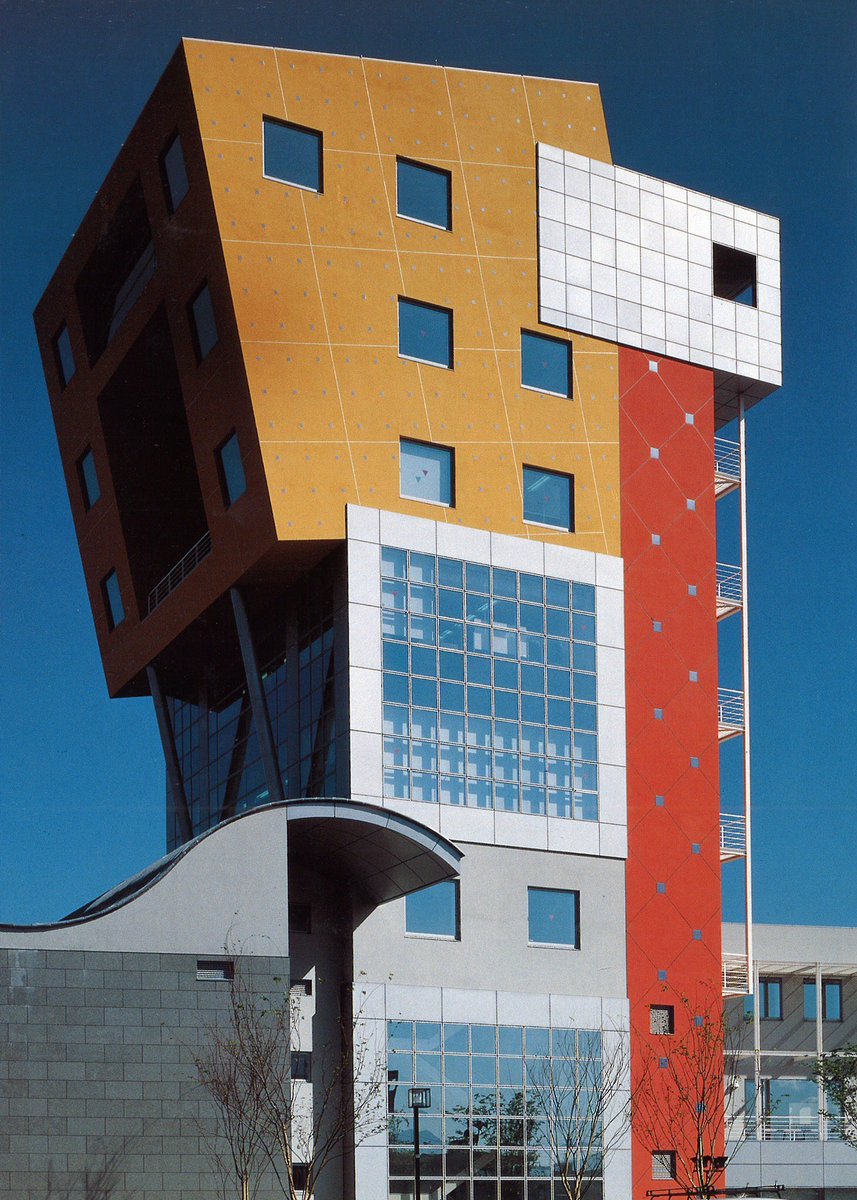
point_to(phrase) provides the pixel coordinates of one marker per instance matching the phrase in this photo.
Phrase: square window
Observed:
(425, 332)
(771, 999)
(662, 889)
(691, 506)
(301, 1065)
(663, 1164)
(734, 275)
(656, 539)
(174, 174)
(112, 596)
(545, 363)
(549, 498)
(64, 356)
(203, 324)
(657, 626)
(215, 970)
(427, 472)
(293, 154)
(554, 917)
(423, 193)
(87, 477)
(233, 482)
(434, 911)
(691, 589)
(661, 1019)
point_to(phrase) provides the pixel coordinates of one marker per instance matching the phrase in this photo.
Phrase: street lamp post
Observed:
(418, 1097)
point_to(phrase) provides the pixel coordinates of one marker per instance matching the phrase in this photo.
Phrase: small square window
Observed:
(662, 889)
(691, 506)
(215, 970)
(203, 323)
(691, 589)
(659, 714)
(689, 419)
(300, 987)
(696, 848)
(771, 999)
(302, 1065)
(112, 596)
(293, 154)
(656, 539)
(233, 482)
(434, 911)
(654, 452)
(661, 1019)
(549, 498)
(734, 275)
(663, 1164)
(546, 363)
(657, 626)
(693, 676)
(694, 762)
(87, 477)
(423, 193)
(174, 174)
(425, 332)
(427, 472)
(554, 917)
(64, 356)
(662, 976)
(697, 935)
(660, 801)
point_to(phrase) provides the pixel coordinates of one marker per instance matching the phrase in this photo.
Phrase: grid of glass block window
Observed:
(484, 1136)
(316, 681)
(490, 687)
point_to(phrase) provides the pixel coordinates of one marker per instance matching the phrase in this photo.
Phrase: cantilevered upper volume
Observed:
(299, 263)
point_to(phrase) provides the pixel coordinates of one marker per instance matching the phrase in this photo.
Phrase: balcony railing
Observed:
(733, 836)
(179, 572)
(736, 975)
(729, 590)
(730, 712)
(133, 288)
(727, 466)
(788, 1127)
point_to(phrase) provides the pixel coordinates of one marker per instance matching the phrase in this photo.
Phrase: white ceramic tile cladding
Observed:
(628, 258)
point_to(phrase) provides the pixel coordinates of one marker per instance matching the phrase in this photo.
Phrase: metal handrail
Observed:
(727, 458)
(788, 1127)
(730, 707)
(179, 572)
(736, 974)
(133, 288)
(733, 833)
(729, 584)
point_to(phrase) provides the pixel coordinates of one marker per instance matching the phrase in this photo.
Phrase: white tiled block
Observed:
(577, 212)
(769, 243)
(618, 1183)
(677, 301)
(746, 320)
(552, 153)
(577, 323)
(365, 699)
(724, 342)
(363, 523)
(628, 228)
(675, 214)
(517, 554)
(701, 307)
(577, 182)
(603, 250)
(746, 215)
(366, 763)
(722, 208)
(700, 278)
(364, 636)
(771, 224)
(610, 618)
(699, 200)
(675, 243)
(628, 285)
(769, 327)
(615, 1013)
(630, 178)
(575, 1012)
(652, 264)
(612, 795)
(672, 191)
(723, 313)
(768, 299)
(603, 220)
(578, 301)
(602, 190)
(553, 295)
(578, 242)
(604, 329)
(566, 562)
(603, 280)
(604, 308)
(627, 198)
(551, 205)
(768, 271)
(632, 337)
(614, 841)
(770, 355)
(370, 1167)
(652, 207)
(519, 1008)
(649, 184)
(628, 315)
(610, 571)
(416, 810)
(651, 235)
(364, 573)
(611, 737)
(553, 316)
(699, 251)
(576, 160)
(467, 824)
(652, 293)
(701, 335)
(578, 271)
(573, 837)
(552, 264)
(521, 830)
(699, 223)
(596, 167)
(611, 675)
(654, 323)
(469, 1007)
(413, 533)
(678, 329)
(676, 272)
(722, 230)
(551, 175)
(551, 234)
(413, 1003)
(370, 1000)
(628, 257)
(745, 237)
(458, 541)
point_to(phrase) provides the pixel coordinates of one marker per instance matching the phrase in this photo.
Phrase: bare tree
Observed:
(837, 1072)
(96, 1182)
(268, 1118)
(681, 1104)
(581, 1101)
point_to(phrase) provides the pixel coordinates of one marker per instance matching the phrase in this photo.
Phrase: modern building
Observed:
(390, 411)
(804, 1005)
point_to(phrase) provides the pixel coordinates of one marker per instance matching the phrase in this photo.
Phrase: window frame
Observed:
(569, 351)
(434, 936)
(441, 308)
(64, 379)
(88, 501)
(832, 983)
(669, 1009)
(172, 206)
(450, 450)
(575, 894)
(225, 491)
(670, 1164)
(770, 984)
(738, 255)
(317, 133)
(428, 167)
(569, 477)
(194, 328)
(107, 600)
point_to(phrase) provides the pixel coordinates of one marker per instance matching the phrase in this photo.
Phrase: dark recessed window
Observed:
(434, 910)
(661, 1019)
(64, 356)
(300, 1175)
(203, 324)
(293, 154)
(302, 1065)
(771, 999)
(425, 332)
(663, 1164)
(553, 917)
(174, 174)
(545, 363)
(549, 498)
(233, 482)
(426, 472)
(831, 999)
(423, 193)
(112, 595)
(734, 275)
(88, 479)
(300, 918)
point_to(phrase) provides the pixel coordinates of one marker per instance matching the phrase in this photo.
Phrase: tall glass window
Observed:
(64, 356)
(203, 323)
(113, 604)
(771, 999)
(490, 688)
(233, 482)
(174, 174)
(87, 475)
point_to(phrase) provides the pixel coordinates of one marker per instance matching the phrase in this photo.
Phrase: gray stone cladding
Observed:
(97, 1057)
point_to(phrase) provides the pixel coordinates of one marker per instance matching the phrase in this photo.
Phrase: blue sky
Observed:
(753, 100)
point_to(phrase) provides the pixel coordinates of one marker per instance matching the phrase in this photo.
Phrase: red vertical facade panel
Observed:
(669, 549)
